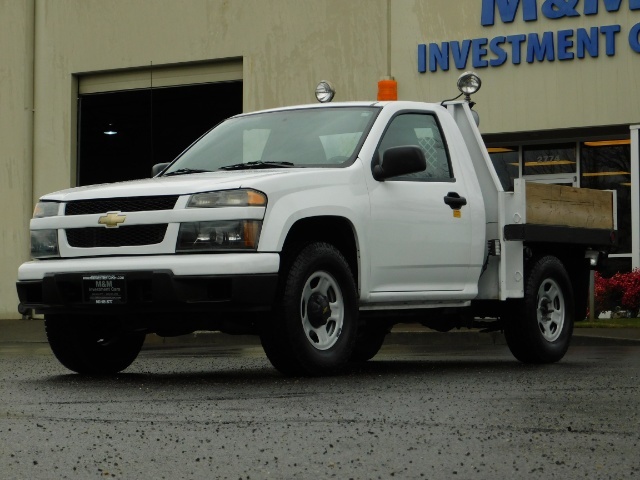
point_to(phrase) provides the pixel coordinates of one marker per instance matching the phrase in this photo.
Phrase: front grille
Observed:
(131, 236)
(125, 204)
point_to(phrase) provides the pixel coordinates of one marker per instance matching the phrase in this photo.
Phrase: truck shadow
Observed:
(258, 373)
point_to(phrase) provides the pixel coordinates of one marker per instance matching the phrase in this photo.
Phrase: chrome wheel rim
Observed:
(323, 286)
(551, 310)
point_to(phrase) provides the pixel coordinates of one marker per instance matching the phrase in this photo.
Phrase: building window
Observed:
(606, 165)
(549, 159)
(506, 161)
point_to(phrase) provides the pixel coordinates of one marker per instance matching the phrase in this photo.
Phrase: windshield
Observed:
(292, 138)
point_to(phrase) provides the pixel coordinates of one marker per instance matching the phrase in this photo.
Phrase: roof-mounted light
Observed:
(469, 83)
(387, 89)
(325, 91)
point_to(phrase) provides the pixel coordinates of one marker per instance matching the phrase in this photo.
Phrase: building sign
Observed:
(534, 47)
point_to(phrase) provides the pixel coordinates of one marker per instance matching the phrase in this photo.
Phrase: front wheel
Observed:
(92, 345)
(314, 327)
(538, 328)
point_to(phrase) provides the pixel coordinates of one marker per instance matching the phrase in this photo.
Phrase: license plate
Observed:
(104, 289)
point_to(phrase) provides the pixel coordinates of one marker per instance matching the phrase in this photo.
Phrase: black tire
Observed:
(92, 345)
(303, 337)
(369, 341)
(538, 328)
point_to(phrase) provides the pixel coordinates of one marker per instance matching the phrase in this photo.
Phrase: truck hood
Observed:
(178, 185)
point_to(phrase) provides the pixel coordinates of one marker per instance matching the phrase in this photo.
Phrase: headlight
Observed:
(219, 235)
(45, 209)
(228, 198)
(44, 243)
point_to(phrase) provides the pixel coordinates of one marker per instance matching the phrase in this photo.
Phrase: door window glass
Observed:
(420, 130)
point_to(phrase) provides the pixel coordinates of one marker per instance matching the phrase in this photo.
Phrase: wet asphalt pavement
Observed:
(412, 412)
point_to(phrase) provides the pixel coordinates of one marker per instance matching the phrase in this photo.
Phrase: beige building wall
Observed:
(286, 47)
(16, 119)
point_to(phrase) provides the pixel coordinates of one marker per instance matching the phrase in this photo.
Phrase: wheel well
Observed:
(337, 231)
(571, 256)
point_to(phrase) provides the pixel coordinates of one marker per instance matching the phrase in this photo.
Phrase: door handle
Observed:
(455, 201)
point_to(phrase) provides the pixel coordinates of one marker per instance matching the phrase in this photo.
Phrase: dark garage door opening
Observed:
(123, 134)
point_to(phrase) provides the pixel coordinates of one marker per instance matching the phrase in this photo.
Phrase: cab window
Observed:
(420, 130)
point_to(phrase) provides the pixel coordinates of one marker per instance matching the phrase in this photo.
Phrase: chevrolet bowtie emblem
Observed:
(111, 219)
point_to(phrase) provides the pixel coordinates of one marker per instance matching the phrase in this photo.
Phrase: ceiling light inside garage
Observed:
(110, 130)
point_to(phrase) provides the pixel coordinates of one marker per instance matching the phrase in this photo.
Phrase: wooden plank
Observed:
(549, 204)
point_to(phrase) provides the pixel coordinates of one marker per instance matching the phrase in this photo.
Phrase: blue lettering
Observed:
(507, 10)
(516, 42)
(438, 57)
(554, 9)
(540, 49)
(610, 32)
(587, 42)
(422, 58)
(564, 44)
(479, 51)
(460, 53)
(591, 6)
(634, 38)
(498, 51)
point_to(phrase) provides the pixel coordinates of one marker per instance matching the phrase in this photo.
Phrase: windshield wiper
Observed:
(257, 165)
(184, 171)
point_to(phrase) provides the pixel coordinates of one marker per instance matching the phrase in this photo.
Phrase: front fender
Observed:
(328, 192)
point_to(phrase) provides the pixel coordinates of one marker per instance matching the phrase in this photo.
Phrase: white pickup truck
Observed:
(316, 227)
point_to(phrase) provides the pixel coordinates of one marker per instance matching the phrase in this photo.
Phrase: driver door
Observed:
(420, 238)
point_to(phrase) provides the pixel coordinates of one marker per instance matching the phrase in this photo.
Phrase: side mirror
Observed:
(398, 161)
(158, 167)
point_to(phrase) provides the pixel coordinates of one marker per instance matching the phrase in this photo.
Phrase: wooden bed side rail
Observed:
(549, 204)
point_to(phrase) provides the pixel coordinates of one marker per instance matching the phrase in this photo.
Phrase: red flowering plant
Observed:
(620, 292)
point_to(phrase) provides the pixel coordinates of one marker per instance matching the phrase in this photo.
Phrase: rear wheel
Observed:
(538, 328)
(369, 342)
(92, 345)
(314, 327)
